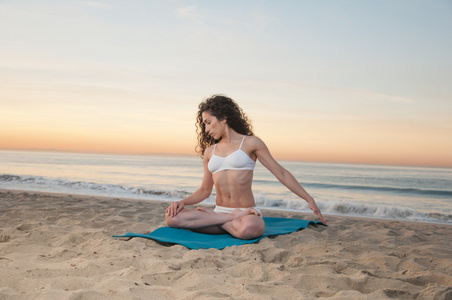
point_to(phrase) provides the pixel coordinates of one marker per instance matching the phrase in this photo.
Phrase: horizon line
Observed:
(197, 155)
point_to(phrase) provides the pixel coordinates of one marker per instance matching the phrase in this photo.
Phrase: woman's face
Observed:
(214, 127)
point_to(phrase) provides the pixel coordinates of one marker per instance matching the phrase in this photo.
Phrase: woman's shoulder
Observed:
(209, 150)
(255, 141)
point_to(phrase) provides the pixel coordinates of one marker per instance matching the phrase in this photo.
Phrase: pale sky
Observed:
(330, 81)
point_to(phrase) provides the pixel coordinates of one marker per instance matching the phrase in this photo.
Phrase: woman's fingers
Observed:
(179, 207)
(321, 217)
(170, 211)
(174, 209)
(313, 206)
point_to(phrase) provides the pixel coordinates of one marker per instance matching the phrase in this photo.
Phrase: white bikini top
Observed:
(237, 160)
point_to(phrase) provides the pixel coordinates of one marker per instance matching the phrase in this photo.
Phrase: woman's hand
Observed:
(174, 208)
(313, 206)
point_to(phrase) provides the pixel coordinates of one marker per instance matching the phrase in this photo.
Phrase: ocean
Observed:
(391, 192)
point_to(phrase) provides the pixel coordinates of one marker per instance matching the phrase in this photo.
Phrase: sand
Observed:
(56, 246)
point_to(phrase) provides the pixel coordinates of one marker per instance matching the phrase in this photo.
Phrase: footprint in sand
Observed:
(4, 238)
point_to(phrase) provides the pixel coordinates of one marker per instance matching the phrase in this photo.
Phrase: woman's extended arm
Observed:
(202, 193)
(284, 176)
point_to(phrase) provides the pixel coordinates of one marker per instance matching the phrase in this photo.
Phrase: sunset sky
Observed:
(328, 81)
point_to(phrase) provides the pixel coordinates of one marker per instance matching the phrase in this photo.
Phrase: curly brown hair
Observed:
(221, 107)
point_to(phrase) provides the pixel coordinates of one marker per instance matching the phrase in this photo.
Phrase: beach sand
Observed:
(57, 246)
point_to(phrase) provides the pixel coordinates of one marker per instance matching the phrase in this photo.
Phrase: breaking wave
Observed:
(44, 184)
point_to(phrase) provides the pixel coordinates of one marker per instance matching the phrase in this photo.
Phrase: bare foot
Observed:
(244, 212)
(204, 209)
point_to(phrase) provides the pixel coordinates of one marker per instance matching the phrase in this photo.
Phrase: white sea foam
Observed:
(39, 183)
(418, 194)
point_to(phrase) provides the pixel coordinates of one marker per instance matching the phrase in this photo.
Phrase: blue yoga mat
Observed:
(196, 240)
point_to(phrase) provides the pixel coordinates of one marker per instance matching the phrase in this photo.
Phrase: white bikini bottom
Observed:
(228, 210)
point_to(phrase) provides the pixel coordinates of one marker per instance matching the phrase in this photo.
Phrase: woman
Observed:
(229, 151)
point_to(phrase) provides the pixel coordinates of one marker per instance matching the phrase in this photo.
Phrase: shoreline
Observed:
(268, 211)
(60, 246)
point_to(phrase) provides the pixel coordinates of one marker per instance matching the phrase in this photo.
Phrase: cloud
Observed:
(386, 97)
(189, 13)
(300, 87)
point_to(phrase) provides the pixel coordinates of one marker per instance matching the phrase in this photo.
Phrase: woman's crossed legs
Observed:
(240, 223)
